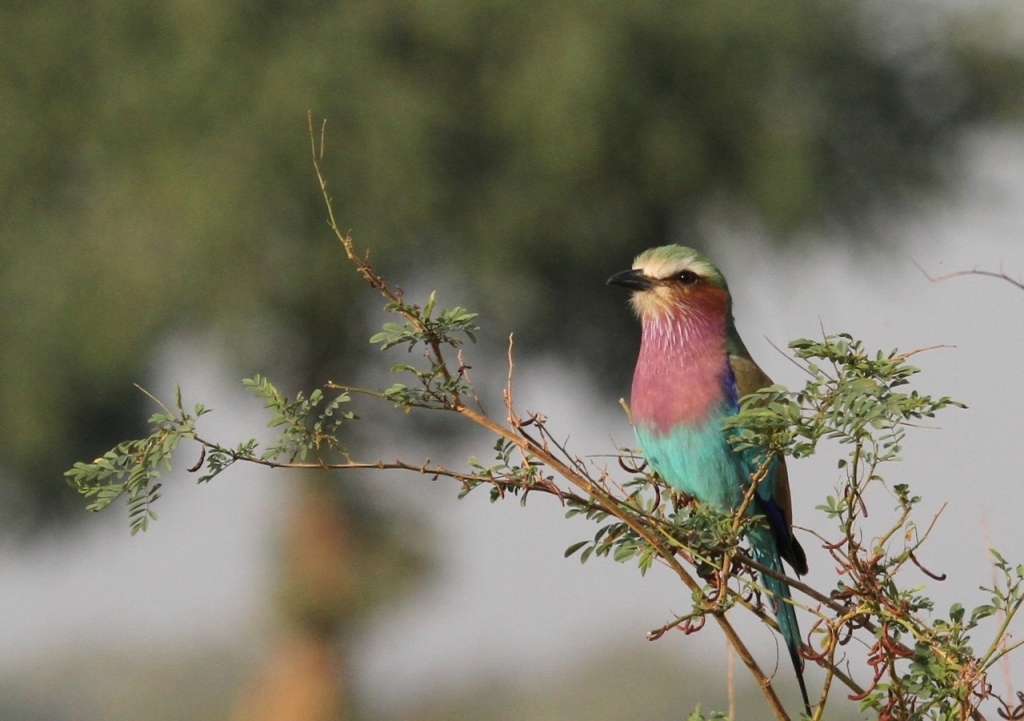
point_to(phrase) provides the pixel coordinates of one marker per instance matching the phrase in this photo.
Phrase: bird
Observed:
(691, 372)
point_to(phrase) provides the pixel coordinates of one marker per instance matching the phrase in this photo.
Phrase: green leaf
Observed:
(574, 547)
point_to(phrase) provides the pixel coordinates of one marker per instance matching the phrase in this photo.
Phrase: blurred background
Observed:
(160, 224)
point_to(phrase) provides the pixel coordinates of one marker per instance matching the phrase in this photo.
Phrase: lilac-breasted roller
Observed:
(691, 372)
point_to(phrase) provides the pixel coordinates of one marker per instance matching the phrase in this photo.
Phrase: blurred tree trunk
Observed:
(300, 681)
(341, 559)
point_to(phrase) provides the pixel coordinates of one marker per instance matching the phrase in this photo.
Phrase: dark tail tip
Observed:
(798, 666)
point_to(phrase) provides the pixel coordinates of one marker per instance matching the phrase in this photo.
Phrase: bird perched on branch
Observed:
(692, 370)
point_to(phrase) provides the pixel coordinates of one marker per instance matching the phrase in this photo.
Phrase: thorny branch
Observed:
(515, 433)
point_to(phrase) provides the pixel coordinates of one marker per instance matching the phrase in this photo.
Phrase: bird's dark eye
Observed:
(687, 277)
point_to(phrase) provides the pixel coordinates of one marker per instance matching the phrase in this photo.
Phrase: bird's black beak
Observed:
(632, 279)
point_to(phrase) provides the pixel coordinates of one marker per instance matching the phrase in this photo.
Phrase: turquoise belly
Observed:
(698, 461)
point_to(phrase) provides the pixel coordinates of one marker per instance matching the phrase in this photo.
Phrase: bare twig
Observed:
(1001, 275)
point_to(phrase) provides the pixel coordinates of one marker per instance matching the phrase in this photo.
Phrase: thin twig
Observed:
(1001, 275)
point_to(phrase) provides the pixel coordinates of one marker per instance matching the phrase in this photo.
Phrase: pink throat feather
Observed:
(682, 368)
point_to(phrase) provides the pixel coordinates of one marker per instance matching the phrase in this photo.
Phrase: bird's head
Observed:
(673, 280)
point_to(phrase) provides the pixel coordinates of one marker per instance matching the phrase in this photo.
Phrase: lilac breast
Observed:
(682, 375)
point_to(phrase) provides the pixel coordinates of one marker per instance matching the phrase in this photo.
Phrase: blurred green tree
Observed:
(154, 171)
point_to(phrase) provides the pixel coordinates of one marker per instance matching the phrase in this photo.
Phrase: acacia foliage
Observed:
(921, 663)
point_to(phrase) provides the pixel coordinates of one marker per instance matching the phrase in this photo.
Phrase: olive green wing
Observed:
(749, 379)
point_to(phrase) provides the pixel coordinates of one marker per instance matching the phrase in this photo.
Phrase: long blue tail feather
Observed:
(766, 553)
